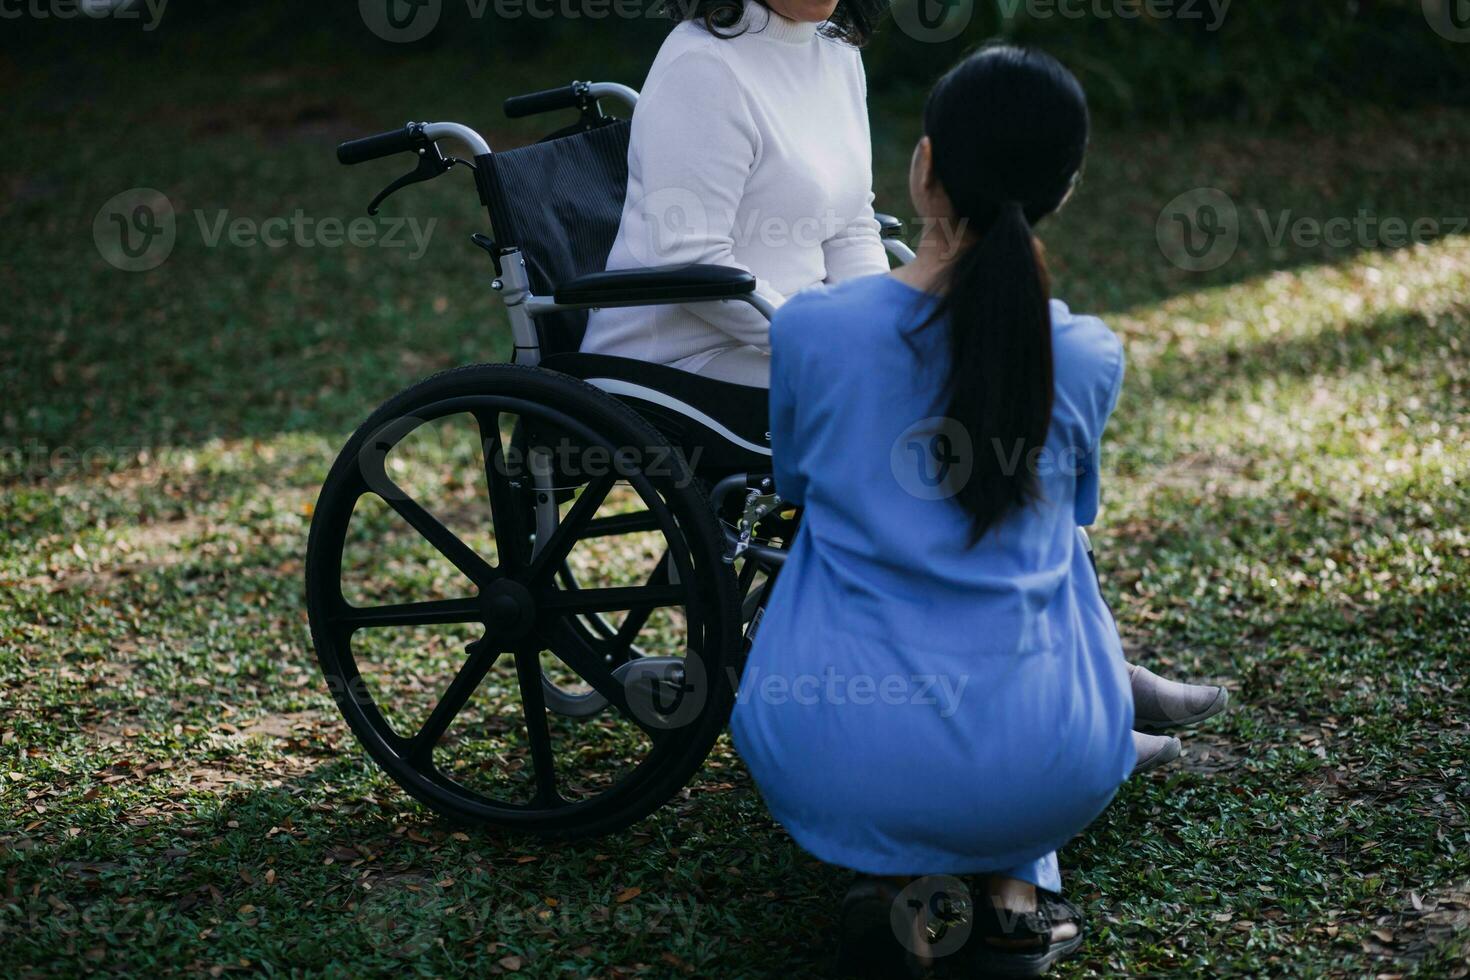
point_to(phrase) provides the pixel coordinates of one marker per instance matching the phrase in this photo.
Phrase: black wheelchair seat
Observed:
(719, 426)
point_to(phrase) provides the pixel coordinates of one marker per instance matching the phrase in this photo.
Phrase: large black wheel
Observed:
(567, 549)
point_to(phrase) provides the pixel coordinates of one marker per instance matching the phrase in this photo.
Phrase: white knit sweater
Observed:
(752, 152)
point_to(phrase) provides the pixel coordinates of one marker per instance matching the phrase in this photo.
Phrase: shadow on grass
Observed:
(1409, 344)
(331, 866)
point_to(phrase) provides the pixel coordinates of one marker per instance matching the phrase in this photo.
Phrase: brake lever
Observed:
(432, 163)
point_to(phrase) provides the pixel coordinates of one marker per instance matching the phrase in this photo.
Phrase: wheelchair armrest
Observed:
(889, 226)
(662, 284)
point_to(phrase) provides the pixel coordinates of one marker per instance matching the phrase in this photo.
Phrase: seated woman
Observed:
(750, 149)
(937, 687)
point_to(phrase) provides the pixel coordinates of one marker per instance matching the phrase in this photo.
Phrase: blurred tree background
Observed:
(1157, 61)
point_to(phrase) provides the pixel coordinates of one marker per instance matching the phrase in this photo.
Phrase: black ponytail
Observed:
(1007, 130)
(1000, 364)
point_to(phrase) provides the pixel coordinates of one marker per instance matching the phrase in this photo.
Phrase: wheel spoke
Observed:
(510, 532)
(461, 555)
(636, 619)
(596, 623)
(555, 549)
(533, 705)
(603, 527)
(481, 656)
(432, 613)
(629, 597)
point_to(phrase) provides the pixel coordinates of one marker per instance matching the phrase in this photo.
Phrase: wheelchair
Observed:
(570, 693)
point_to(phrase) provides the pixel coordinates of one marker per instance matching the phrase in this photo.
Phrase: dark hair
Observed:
(854, 21)
(1008, 130)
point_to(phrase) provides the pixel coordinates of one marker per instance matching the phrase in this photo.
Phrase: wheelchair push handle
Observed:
(409, 139)
(566, 97)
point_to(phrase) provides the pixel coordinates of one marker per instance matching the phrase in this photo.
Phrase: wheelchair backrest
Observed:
(560, 202)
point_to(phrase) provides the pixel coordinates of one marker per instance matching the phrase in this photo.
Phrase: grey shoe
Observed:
(1154, 751)
(1159, 704)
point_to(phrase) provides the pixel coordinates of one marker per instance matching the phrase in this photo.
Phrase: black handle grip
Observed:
(405, 140)
(566, 97)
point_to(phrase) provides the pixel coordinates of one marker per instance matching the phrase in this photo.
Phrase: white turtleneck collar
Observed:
(761, 21)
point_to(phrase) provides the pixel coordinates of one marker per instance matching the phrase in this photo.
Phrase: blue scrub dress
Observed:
(916, 704)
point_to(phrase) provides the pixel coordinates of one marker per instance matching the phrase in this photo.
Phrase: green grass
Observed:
(1286, 512)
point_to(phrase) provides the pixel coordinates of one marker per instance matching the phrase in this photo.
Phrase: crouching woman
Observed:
(971, 710)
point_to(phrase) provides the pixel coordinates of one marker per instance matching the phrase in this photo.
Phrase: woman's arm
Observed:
(857, 250)
(693, 146)
(1088, 476)
(785, 461)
